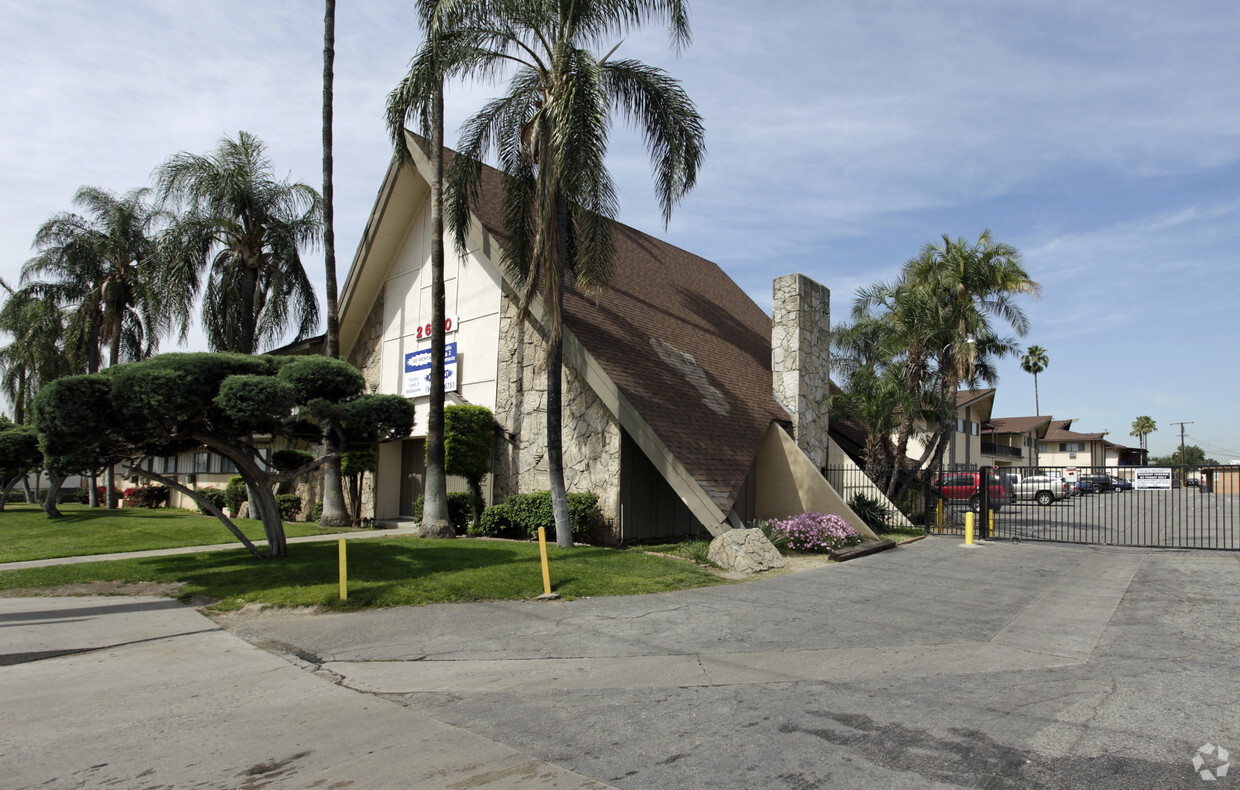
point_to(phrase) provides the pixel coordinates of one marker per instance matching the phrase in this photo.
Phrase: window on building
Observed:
(202, 463)
(959, 425)
(168, 465)
(975, 428)
(227, 466)
(1071, 447)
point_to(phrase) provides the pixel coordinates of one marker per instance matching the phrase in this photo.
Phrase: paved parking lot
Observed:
(1180, 518)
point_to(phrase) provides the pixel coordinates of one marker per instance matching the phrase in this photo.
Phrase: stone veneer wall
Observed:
(367, 356)
(591, 432)
(801, 359)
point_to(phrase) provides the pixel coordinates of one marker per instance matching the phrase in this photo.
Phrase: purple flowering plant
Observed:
(820, 532)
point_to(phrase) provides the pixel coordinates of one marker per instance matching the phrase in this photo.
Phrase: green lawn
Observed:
(385, 572)
(26, 533)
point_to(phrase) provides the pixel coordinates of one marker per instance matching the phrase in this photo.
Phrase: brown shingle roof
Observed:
(687, 347)
(1014, 424)
(1060, 431)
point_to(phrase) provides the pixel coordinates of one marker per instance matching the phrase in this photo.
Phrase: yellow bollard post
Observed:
(938, 516)
(990, 533)
(546, 569)
(968, 528)
(344, 574)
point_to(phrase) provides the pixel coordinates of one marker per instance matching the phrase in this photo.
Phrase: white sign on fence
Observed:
(1152, 478)
(418, 371)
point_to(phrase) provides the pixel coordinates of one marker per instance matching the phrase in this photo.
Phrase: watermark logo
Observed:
(1211, 762)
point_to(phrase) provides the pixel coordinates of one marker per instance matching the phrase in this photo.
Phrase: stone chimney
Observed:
(801, 359)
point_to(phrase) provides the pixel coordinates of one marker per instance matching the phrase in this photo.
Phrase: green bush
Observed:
(317, 513)
(523, 514)
(290, 506)
(213, 495)
(496, 522)
(874, 513)
(82, 495)
(460, 511)
(146, 496)
(236, 493)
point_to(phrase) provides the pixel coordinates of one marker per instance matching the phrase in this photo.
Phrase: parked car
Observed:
(1120, 484)
(1100, 482)
(1043, 489)
(1084, 487)
(1192, 482)
(966, 487)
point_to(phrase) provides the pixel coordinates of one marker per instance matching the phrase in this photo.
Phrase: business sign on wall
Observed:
(418, 371)
(1152, 478)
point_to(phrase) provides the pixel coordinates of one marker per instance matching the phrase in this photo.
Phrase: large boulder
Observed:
(745, 550)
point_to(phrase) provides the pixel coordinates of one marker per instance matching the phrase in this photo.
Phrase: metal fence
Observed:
(866, 493)
(1113, 506)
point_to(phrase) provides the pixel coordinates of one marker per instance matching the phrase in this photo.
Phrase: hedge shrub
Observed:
(213, 495)
(460, 511)
(236, 494)
(521, 515)
(290, 506)
(146, 496)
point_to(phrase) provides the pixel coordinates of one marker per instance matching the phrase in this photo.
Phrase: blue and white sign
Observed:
(418, 371)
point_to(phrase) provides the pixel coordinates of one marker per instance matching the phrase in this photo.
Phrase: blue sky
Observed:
(1102, 139)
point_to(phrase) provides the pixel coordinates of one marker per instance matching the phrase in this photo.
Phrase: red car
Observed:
(965, 487)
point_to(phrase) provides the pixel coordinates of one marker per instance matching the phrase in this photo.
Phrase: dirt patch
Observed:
(161, 589)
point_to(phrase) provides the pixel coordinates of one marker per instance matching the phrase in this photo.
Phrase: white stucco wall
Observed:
(471, 293)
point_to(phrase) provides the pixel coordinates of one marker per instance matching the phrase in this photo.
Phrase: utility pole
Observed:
(1183, 460)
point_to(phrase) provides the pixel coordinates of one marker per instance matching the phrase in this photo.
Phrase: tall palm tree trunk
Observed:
(1037, 408)
(555, 394)
(114, 358)
(435, 503)
(249, 313)
(335, 514)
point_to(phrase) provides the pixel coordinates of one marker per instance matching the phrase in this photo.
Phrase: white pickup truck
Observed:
(1043, 489)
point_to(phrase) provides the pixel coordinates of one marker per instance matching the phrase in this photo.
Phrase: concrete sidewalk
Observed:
(145, 692)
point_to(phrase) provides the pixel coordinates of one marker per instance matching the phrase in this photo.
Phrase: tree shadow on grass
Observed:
(398, 571)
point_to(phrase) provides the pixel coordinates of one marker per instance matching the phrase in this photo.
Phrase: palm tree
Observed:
(103, 268)
(1142, 427)
(249, 229)
(418, 99)
(938, 313)
(334, 512)
(550, 133)
(35, 355)
(973, 283)
(1034, 361)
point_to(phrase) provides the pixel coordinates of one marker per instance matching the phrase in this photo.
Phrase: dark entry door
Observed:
(412, 473)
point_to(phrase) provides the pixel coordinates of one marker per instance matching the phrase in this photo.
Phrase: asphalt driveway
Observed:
(932, 665)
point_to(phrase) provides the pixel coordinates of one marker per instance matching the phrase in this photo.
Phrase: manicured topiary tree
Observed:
(19, 453)
(225, 402)
(469, 434)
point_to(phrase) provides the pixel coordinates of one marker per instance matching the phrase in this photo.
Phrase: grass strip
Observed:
(26, 533)
(384, 572)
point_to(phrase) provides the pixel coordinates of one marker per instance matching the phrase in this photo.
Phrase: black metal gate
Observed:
(1179, 507)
